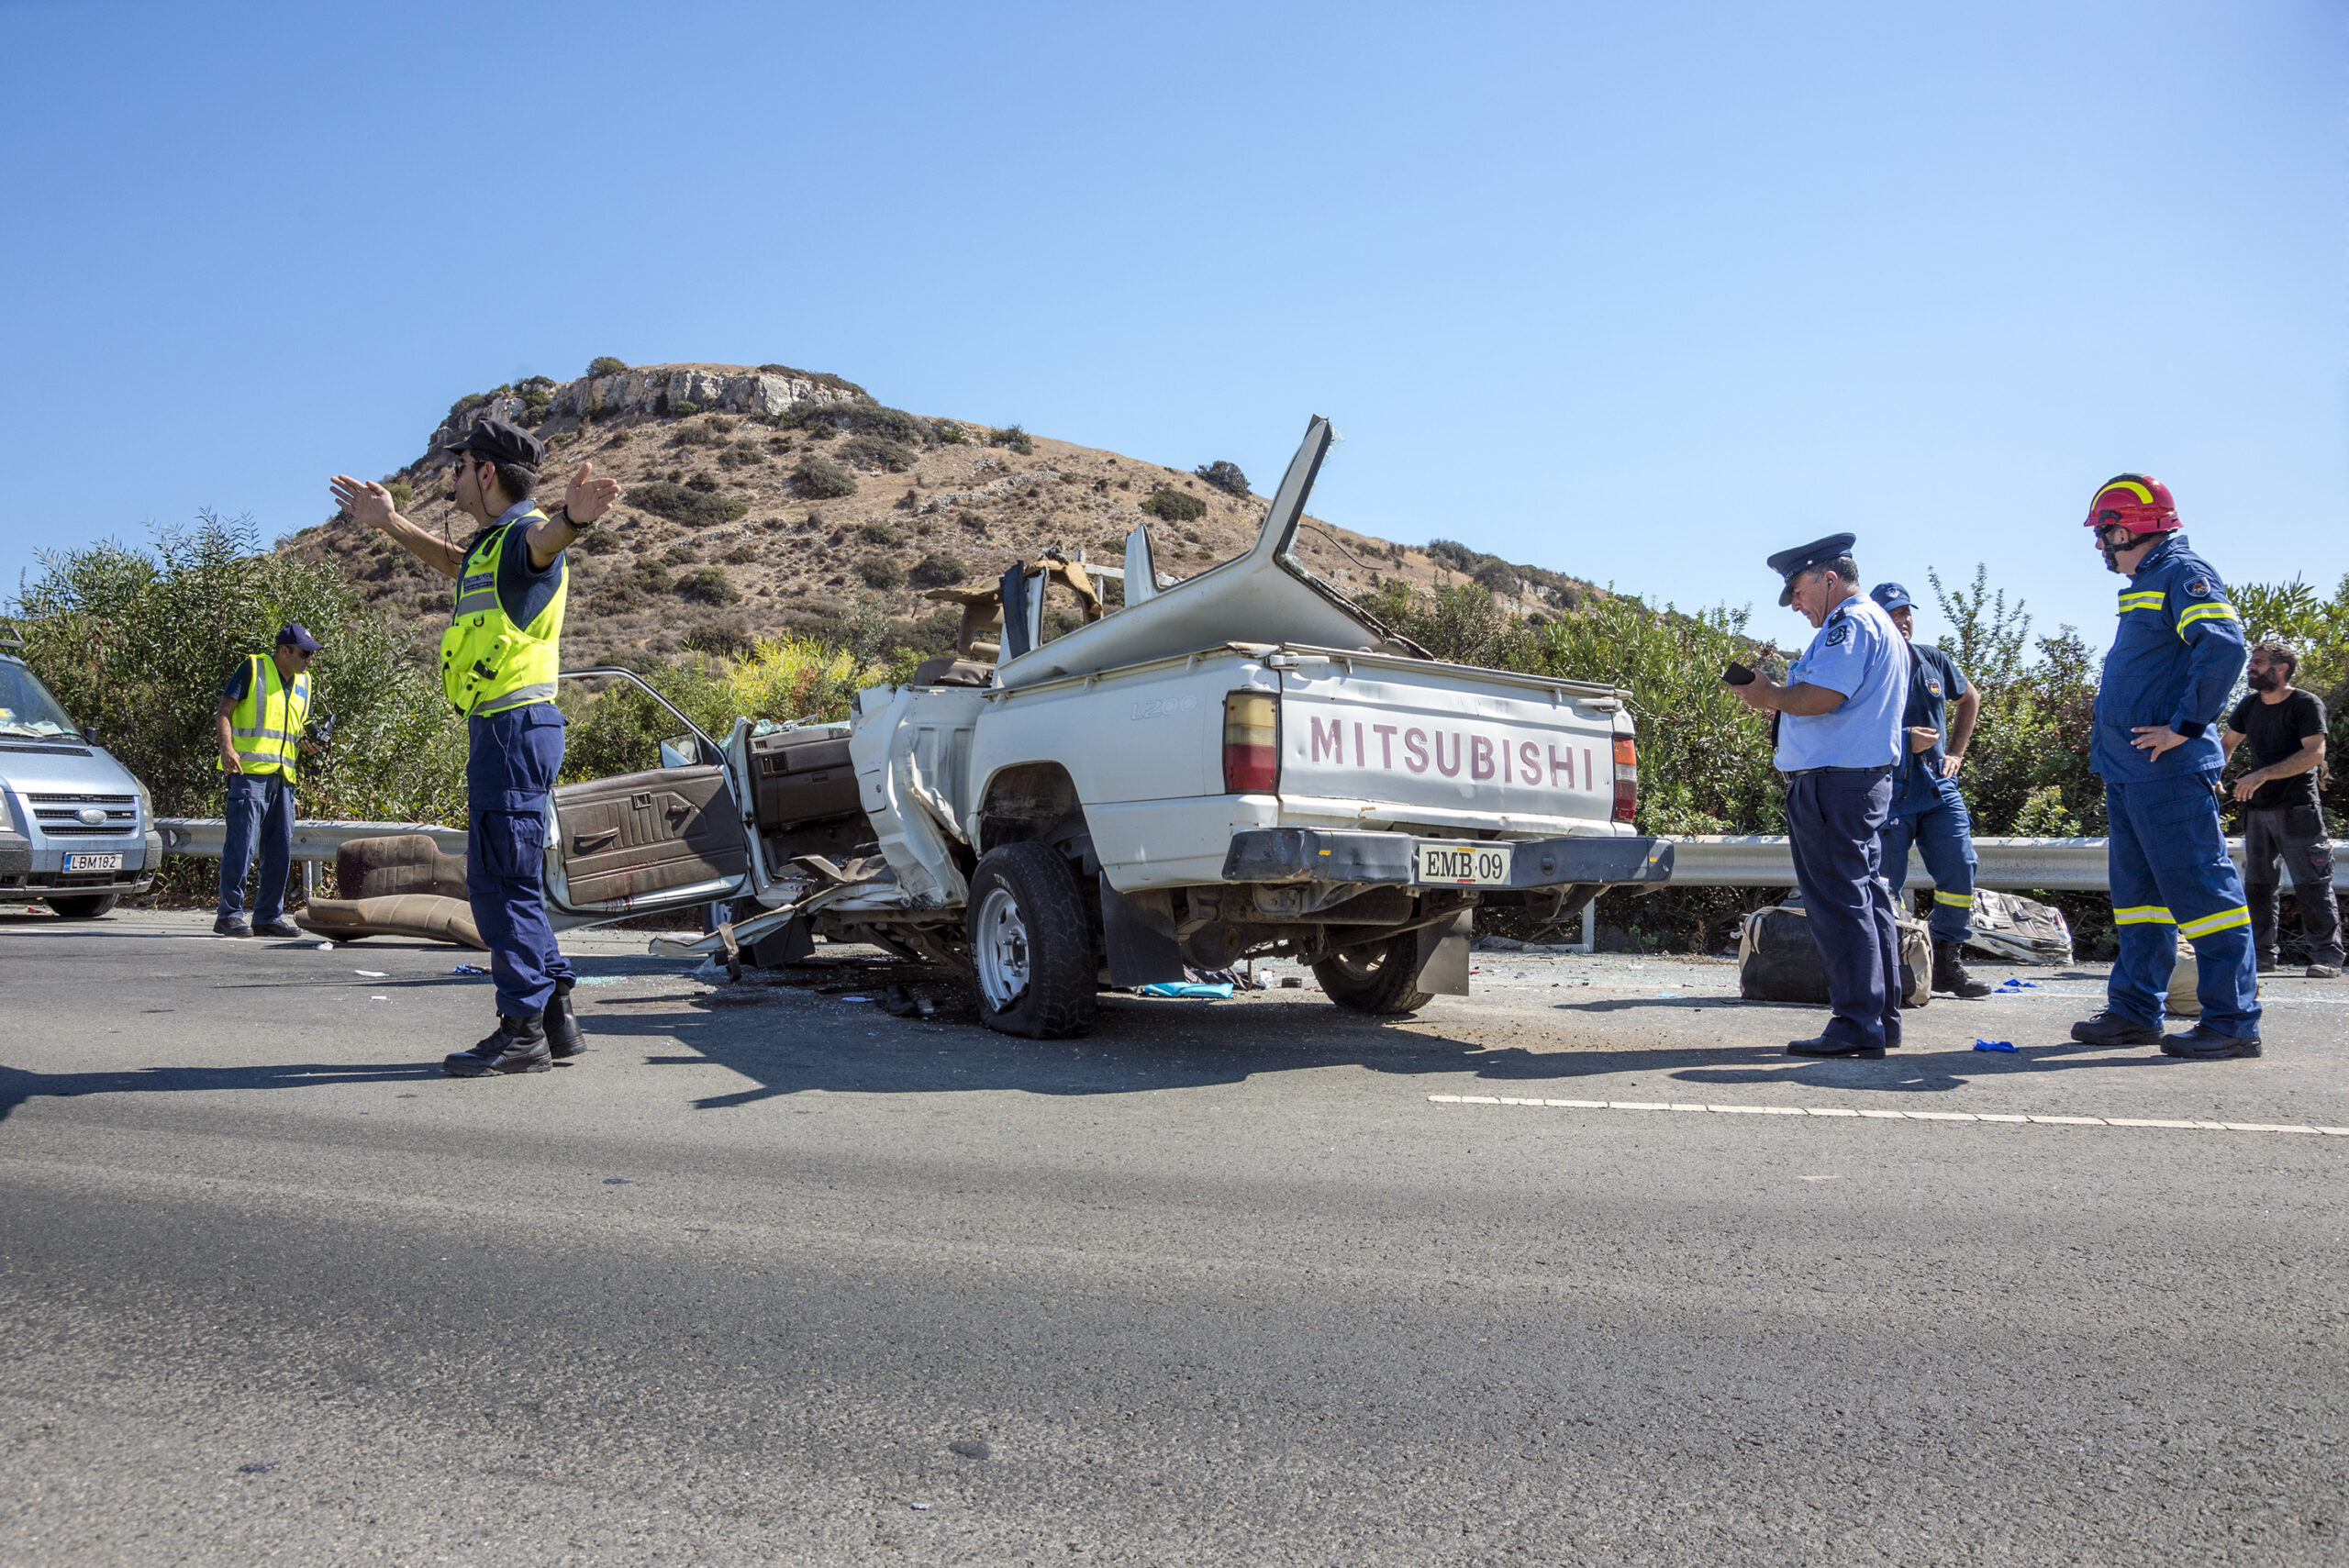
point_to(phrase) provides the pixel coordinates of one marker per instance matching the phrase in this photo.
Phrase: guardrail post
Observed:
(1589, 942)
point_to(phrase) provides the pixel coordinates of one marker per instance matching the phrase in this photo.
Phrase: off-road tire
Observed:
(1056, 1001)
(1376, 977)
(88, 907)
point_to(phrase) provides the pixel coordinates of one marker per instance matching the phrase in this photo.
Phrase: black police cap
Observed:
(501, 442)
(1792, 563)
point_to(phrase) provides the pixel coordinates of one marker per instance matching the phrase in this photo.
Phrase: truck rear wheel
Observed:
(88, 907)
(1375, 978)
(1031, 943)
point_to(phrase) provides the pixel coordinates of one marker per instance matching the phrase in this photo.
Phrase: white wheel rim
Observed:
(1001, 948)
(1357, 963)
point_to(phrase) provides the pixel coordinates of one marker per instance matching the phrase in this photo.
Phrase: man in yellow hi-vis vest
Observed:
(264, 705)
(498, 662)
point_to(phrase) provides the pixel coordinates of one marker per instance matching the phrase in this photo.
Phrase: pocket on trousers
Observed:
(511, 844)
(2305, 822)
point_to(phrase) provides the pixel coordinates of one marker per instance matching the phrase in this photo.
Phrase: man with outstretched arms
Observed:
(2174, 657)
(498, 662)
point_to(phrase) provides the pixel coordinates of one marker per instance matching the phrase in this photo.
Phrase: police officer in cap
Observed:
(1838, 740)
(498, 662)
(1927, 809)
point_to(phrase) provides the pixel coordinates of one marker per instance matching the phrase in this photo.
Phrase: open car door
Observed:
(669, 838)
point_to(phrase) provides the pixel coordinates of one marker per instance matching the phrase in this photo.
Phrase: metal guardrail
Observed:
(312, 840)
(2015, 866)
(2020, 866)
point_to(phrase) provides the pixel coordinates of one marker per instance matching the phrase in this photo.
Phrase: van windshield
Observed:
(26, 706)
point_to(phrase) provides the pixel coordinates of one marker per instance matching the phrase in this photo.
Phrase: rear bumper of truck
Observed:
(1316, 854)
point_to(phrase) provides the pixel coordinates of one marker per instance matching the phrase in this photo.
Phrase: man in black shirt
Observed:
(2282, 819)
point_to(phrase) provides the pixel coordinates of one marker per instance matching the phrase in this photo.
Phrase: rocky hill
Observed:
(765, 499)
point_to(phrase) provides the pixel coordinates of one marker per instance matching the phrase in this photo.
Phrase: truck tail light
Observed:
(1627, 778)
(1252, 743)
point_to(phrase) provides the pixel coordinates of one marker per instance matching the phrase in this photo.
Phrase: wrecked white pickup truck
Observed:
(1239, 764)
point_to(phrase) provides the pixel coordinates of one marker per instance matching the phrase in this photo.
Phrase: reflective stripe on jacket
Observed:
(487, 663)
(266, 724)
(2175, 658)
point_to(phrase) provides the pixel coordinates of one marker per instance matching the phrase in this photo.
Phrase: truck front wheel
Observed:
(1031, 943)
(86, 907)
(1375, 978)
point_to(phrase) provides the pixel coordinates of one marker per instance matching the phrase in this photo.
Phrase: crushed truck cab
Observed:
(1240, 764)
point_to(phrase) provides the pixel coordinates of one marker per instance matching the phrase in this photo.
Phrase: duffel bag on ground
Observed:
(2010, 927)
(1778, 962)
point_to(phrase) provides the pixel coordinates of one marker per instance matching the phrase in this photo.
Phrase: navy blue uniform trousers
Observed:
(2167, 862)
(510, 770)
(1933, 817)
(260, 815)
(1833, 817)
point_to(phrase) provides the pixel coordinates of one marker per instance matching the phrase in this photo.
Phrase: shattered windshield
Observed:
(27, 709)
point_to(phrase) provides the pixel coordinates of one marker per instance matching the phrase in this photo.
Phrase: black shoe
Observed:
(517, 1045)
(2109, 1028)
(2268, 966)
(1821, 1045)
(231, 926)
(1949, 975)
(2203, 1043)
(280, 927)
(565, 1039)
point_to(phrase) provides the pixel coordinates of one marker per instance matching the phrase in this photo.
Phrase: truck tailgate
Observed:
(1368, 739)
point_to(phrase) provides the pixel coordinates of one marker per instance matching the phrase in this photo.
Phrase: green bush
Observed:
(1015, 438)
(708, 586)
(822, 479)
(947, 433)
(692, 507)
(604, 364)
(403, 495)
(879, 533)
(1174, 505)
(134, 643)
(743, 554)
(698, 433)
(705, 482)
(882, 572)
(1225, 477)
(939, 570)
(684, 408)
(867, 451)
(652, 575)
(466, 404)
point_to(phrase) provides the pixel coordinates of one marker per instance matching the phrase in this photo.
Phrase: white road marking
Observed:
(1888, 1116)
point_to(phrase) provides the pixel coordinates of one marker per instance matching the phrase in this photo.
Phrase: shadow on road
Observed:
(1138, 1047)
(17, 1085)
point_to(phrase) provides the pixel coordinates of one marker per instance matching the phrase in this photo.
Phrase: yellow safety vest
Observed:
(487, 663)
(267, 721)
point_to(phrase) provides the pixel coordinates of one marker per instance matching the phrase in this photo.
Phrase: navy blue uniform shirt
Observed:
(2174, 657)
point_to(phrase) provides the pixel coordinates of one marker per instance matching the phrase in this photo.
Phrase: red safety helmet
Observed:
(2137, 502)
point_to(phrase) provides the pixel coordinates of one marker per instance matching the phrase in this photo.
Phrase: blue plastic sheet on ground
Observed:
(2011, 983)
(2007, 1045)
(1189, 989)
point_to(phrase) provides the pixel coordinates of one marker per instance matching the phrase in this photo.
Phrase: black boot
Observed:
(564, 1037)
(2109, 1028)
(517, 1045)
(1949, 973)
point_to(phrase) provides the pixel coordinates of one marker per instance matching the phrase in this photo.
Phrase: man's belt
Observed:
(1804, 773)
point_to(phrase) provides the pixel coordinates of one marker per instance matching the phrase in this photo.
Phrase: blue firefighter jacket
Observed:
(2174, 661)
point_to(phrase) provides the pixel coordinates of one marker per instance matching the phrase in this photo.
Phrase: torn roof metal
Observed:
(1266, 595)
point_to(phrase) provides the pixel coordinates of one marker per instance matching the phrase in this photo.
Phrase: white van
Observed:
(80, 831)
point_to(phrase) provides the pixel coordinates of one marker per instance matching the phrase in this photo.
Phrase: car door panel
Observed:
(664, 838)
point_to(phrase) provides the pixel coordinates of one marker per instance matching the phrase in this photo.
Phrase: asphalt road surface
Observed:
(774, 1276)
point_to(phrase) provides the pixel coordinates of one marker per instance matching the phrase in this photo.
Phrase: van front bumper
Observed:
(1317, 854)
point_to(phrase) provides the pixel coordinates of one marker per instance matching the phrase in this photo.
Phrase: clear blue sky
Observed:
(1640, 293)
